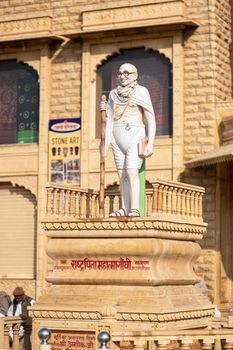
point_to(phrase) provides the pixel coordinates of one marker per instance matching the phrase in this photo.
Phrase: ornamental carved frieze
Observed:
(30, 27)
(65, 315)
(145, 14)
(158, 322)
(155, 228)
(152, 317)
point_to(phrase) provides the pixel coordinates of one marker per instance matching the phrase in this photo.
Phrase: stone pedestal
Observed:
(134, 274)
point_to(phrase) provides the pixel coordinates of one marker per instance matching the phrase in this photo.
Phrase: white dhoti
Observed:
(125, 140)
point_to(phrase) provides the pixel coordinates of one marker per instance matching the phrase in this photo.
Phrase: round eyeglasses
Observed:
(125, 73)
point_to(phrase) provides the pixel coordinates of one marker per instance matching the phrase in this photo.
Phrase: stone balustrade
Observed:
(211, 339)
(200, 339)
(6, 323)
(72, 202)
(177, 198)
(165, 197)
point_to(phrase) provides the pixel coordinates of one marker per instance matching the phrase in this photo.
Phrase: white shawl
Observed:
(140, 96)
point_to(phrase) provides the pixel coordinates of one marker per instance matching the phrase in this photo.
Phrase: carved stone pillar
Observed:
(6, 336)
(162, 344)
(208, 343)
(139, 344)
(185, 344)
(228, 344)
(16, 345)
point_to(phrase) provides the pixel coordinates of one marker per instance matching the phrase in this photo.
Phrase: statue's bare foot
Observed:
(134, 213)
(116, 213)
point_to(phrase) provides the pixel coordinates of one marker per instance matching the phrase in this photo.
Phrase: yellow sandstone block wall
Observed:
(66, 83)
(207, 89)
(223, 38)
(206, 74)
(207, 86)
(205, 265)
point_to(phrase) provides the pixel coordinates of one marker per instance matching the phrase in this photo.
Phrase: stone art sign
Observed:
(64, 151)
(87, 264)
(72, 341)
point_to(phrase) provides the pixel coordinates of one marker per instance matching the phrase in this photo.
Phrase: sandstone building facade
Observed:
(60, 53)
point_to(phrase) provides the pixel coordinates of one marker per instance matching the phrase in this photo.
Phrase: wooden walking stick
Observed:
(102, 158)
(142, 182)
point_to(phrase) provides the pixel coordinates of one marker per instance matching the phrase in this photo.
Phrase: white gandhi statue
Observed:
(130, 118)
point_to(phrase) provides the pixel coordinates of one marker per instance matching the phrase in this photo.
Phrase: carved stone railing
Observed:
(177, 198)
(72, 202)
(7, 323)
(165, 197)
(200, 339)
(214, 339)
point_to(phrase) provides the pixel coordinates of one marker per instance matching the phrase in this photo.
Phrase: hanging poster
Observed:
(64, 151)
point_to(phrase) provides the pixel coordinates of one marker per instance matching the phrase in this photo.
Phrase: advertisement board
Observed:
(64, 151)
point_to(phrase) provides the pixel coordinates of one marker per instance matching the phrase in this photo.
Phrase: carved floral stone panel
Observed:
(162, 12)
(12, 28)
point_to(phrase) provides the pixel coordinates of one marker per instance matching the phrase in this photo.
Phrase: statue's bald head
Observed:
(127, 74)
